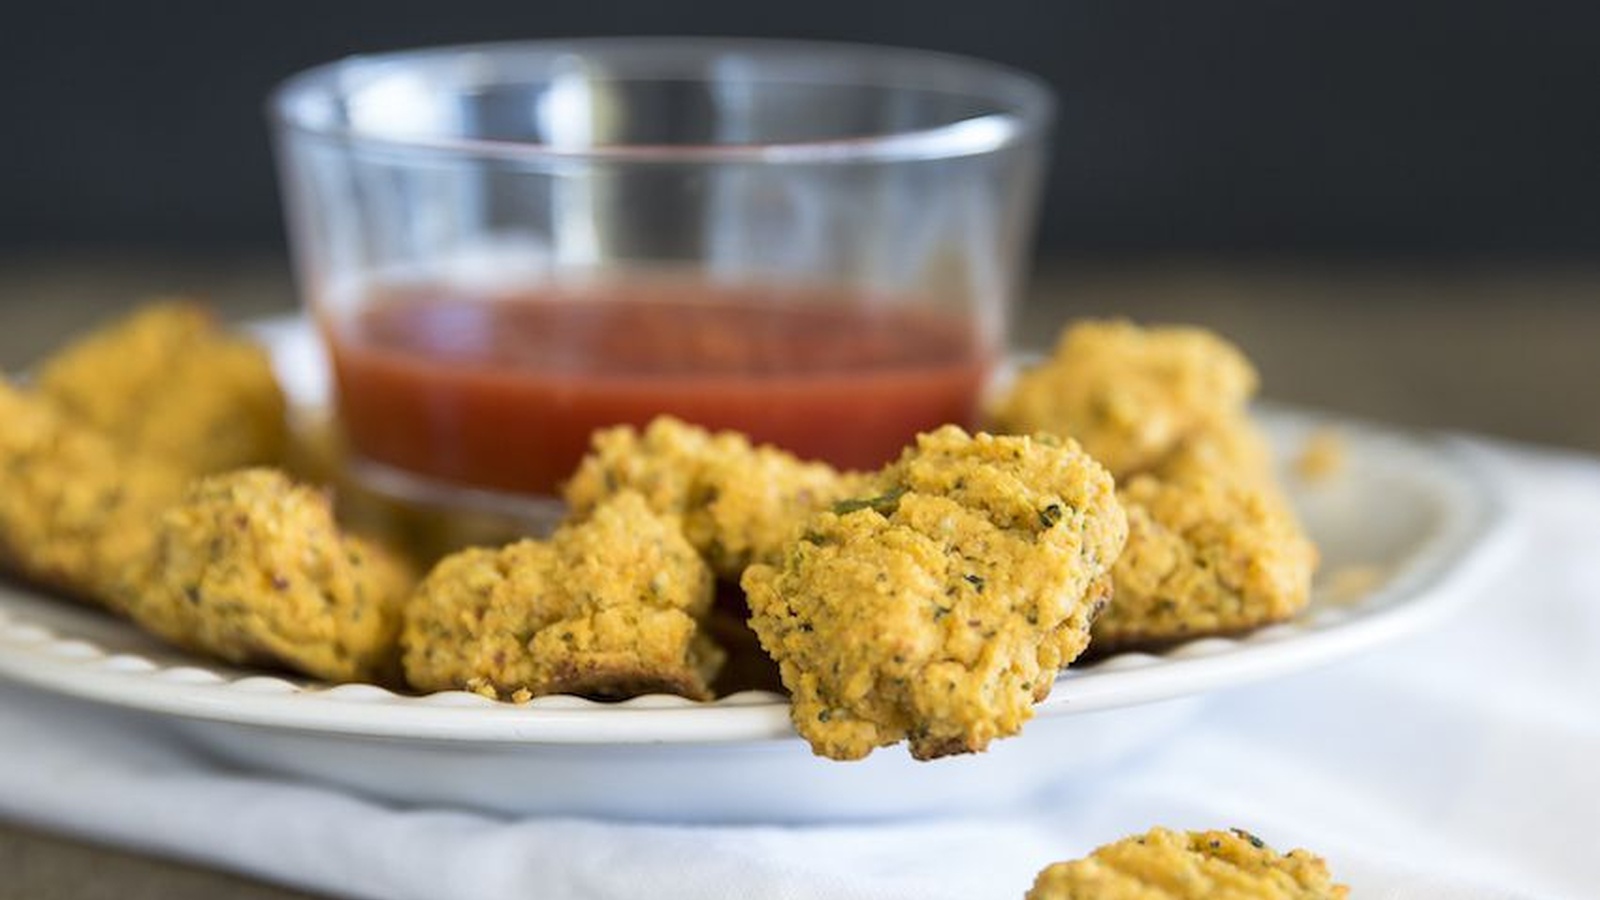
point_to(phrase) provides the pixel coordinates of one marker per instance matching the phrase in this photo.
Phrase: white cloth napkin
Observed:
(1463, 763)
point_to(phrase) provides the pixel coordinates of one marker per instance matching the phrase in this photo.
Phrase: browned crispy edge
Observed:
(620, 682)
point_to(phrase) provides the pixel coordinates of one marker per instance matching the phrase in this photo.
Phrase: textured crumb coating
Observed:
(167, 382)
(1195, 865)
(75, 511)
(250, 568)
(939, 611)
(1231, 448)
(1204, 557)
(1129, 394)
(739, 503)
(608, 607)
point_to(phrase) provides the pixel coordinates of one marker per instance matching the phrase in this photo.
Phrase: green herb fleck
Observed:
(1255, 842)
(1050, 515)
(975, 580)
(884, 503)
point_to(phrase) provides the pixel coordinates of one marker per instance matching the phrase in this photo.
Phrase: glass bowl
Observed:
(508, 246)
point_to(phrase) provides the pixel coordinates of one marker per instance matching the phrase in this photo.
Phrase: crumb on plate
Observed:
(1322, 456)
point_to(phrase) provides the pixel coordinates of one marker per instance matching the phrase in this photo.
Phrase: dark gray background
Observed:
(1241, 127)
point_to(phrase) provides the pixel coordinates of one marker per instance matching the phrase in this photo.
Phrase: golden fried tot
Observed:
(168, 383)
(1213, 545)
(250, 568)
(75, 511)
(939, 611)
(1195, 865)
(608, 607)
(1128, 394)
(739, 503)
(1203, 557)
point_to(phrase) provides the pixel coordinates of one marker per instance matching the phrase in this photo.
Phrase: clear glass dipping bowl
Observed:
(508, 245)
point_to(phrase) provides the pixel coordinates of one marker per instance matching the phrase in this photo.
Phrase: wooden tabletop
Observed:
(1503, 349)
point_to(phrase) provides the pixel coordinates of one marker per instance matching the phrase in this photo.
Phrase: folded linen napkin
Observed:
(1460, 763)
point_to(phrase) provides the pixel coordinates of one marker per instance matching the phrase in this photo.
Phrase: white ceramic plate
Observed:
(1416, 515)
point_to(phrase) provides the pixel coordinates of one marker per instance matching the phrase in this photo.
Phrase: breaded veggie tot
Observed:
(168, 383)
(739, 503)
(1204, 557)
(250, 568)
(75, 511)
(939, 611)
(1194, 865)
(1213, 545)
(1128, 394)
(608, 607)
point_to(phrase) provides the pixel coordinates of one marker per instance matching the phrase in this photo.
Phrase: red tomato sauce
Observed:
(502, 391)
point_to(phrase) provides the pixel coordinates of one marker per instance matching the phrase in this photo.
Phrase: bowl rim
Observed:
(1028, 102)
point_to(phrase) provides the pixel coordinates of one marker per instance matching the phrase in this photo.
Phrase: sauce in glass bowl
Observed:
(502, 389)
